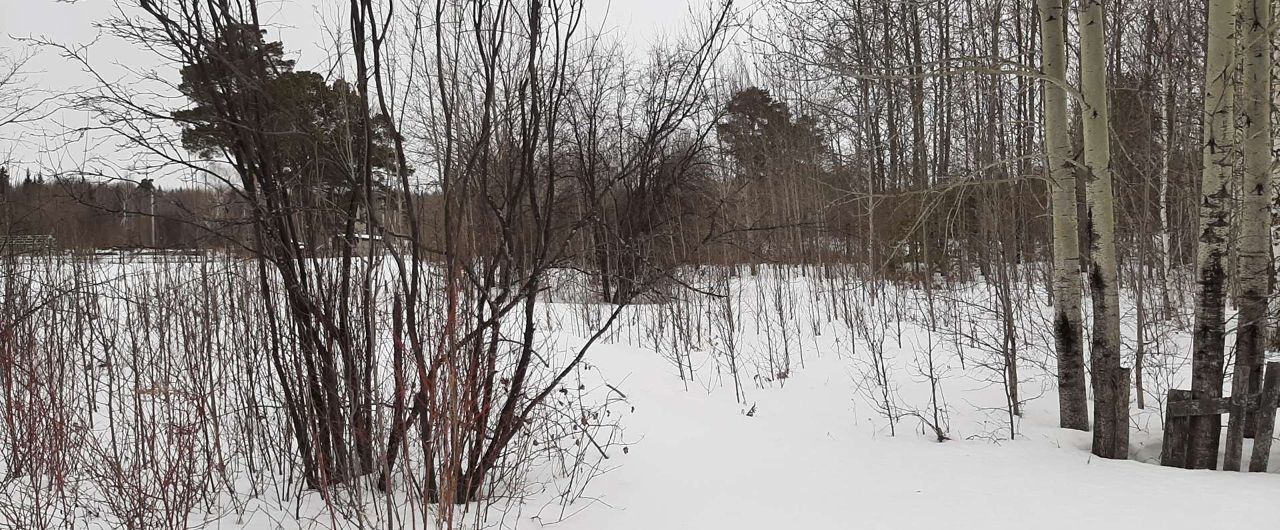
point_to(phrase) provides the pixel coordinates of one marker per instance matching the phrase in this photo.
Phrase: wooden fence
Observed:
(1182, 405)
(22, 243)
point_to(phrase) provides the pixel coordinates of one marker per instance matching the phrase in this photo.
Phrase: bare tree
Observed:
(21, 103)
(521, 187)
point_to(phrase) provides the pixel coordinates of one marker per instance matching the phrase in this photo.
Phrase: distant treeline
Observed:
(83, 214)
(775, 178)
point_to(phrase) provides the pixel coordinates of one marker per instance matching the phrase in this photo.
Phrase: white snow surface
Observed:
(813, 451)
(811, 458)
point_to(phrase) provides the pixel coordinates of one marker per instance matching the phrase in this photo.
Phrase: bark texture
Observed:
(1109, 388)
(1214, 227)
(1073, 408)
(1254, 265)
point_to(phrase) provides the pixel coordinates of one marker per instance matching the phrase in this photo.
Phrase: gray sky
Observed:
(298, 23)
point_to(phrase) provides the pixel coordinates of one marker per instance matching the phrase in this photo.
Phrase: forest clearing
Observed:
(638, 264)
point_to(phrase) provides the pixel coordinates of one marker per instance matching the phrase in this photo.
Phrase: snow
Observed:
(808, 459)
(813, 450)
(814, 453)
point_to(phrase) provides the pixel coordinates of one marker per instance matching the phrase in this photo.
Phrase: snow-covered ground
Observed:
(804, 438)
(815, 452)
(813, 457)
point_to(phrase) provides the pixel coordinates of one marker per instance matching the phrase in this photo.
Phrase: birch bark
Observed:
(1073, 408)
(1108, 419)
(1214, 226)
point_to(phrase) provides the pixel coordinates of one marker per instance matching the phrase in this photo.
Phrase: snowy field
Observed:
(795, 398)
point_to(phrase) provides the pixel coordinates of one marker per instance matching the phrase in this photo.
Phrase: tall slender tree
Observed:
(1109, 403)
(1215, 224)
(1073, 409)
(1254, 266)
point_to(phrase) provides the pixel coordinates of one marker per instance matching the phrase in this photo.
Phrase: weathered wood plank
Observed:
(1210, 407)
(1235, 422)
(1177, 431)
(1269, 400)
(1122, 406)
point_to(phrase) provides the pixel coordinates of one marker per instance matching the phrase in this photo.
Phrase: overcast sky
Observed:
(298, 23)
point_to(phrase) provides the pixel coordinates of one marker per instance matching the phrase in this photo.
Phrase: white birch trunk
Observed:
(1253, 267)
(1073, 409)
(1110, 415)
(1166, 151)
(1215, 225)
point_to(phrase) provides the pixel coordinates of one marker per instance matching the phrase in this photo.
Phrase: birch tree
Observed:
(1214, 226)
(1166, 147)
(1109, 414)
(1073, 410)
(1254, 266)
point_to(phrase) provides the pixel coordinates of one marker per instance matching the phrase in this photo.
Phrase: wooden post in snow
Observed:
(1173, 452)
(1240, 409)
(1266, 418)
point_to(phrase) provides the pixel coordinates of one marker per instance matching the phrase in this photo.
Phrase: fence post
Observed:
(1266, 418)
(1173, 452)
(1122, 423)
(1239, 404)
